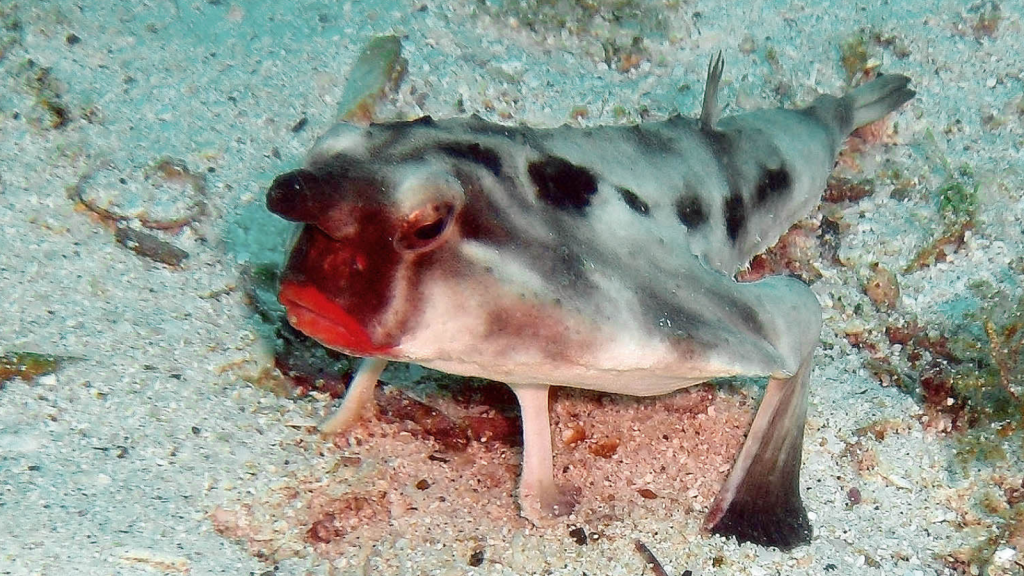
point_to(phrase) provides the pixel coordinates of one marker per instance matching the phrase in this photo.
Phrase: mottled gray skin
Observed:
(598, 258)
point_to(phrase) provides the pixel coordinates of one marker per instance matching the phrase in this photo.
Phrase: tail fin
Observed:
(862, 105)
(878, 97)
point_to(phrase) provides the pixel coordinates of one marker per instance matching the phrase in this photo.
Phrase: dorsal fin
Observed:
(709, 111)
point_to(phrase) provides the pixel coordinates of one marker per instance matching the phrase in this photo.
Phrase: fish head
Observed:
(367, 237)
(400, 254)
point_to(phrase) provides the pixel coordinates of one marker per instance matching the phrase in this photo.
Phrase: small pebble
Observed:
(350, 461)
(1004, 554)
(647, 493)
(605, 448)
(149, 246)
(882, 288)
(853, 496)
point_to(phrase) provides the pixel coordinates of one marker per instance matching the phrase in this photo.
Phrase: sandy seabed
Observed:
(154, 452)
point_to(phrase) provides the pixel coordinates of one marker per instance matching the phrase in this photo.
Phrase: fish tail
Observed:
(878, 97)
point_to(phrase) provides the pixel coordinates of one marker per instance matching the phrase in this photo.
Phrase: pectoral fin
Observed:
(358, 397)
(539, 497)
(760, 501)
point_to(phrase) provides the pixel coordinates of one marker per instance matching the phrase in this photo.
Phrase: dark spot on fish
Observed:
(473, 152)
(774, 183)
(635, 203)
(298, 126)
(690, 211)
(735, 216)
(562, 184)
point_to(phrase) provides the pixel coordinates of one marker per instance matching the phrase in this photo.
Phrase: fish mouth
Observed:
(316, 315)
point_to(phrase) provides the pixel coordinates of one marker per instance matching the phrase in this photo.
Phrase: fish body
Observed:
(598, 258)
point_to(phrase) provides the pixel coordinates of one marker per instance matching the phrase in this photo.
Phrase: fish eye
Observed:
(424, 228)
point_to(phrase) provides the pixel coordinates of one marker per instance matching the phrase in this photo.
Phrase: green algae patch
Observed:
(853, 55)
(29, 365)
(958, 202)
(989, 378)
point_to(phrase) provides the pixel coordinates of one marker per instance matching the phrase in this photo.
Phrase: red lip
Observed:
(314, 314)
